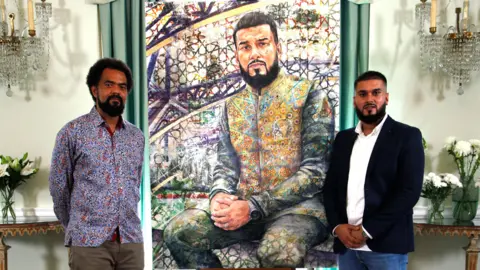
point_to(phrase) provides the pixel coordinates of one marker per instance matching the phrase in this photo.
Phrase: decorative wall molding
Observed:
(35, 212)
(420, 212)
(359, 2)
(98, 2)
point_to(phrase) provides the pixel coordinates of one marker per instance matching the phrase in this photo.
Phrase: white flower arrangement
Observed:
(466, 155)
(439, 187)
(3, 170)
(13, 173)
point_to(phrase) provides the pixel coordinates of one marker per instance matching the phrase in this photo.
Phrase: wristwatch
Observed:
(365, 235)
(254, 212)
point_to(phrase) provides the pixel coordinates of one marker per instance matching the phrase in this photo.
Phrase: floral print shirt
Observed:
(95, 180)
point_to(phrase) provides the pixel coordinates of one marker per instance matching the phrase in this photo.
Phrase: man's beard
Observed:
(372, 118)
(112, 110)
(259, 81)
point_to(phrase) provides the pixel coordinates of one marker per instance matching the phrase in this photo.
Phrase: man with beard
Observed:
(271, 164)
(95, 177)
(373, 183)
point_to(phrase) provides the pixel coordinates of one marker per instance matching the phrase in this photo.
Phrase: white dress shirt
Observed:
(359, 160)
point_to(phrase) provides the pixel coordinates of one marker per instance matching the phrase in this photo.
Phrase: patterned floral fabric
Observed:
(276, 150)
(265, 132)
(244, 255)
(95, 180)
(191, 238)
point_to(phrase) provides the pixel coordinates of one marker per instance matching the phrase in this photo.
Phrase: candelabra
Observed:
(23, 56)
(456, 52)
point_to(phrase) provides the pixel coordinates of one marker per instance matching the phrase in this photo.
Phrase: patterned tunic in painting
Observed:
(275, 150)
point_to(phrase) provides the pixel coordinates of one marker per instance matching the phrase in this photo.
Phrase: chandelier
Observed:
(455, 52)
(24, 54)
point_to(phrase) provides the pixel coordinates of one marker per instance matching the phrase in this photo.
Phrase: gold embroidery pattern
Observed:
(265, 133)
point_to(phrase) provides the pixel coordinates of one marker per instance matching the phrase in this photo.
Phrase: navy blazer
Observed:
(393, 185)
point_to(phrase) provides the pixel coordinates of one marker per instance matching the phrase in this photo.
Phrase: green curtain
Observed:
(123, 37)
(354, 38)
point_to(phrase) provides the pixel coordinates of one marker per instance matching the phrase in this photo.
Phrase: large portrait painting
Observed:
(243, 108)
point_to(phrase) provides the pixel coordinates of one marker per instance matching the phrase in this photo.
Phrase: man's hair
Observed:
(95, 72)
(253, 19)
(371, 75)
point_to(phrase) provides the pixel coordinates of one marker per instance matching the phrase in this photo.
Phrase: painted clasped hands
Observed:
(228, 212)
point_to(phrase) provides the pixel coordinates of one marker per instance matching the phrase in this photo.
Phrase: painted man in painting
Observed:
(272, 163)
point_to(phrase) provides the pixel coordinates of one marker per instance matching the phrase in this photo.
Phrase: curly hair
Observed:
(95, 73)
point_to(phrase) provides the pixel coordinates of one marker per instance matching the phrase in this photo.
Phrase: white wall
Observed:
(427, 102)
(415, 98)
(32, 125)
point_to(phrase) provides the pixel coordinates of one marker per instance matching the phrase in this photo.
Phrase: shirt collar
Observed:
(376, 130)
(98, 120)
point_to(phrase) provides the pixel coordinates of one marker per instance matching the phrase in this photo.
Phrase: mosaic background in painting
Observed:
(192, 70)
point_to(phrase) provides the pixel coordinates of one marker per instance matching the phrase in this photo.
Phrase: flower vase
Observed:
(435, 211)
(7, 205)
(465, 200)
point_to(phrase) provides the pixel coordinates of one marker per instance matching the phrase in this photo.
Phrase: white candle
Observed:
(465, 14)
(2, 10)
(433, 14)
(31, 23)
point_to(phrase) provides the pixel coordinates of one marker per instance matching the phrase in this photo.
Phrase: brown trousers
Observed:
(108, 256)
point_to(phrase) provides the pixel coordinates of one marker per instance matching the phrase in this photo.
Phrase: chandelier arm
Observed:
(24, 56)
(455, 52)
(458, 11)
(12, 24)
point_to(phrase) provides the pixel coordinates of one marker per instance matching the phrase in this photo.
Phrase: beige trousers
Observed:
(108, 256)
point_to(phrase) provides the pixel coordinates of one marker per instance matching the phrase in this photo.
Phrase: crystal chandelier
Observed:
(22, 55)
(456, 52)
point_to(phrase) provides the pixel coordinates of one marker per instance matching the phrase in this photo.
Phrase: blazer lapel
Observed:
(352, 137)
(382, 140)
(349, 142)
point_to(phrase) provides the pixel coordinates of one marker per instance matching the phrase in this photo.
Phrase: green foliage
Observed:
(17, 171)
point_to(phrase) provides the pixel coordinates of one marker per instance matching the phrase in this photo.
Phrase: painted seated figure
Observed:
(271, 163)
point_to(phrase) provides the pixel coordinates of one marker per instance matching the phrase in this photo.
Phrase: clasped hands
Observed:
(228, 212)
(350, 235)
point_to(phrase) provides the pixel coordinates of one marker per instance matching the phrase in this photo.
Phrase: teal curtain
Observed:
(354, 39)
(122, 27)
